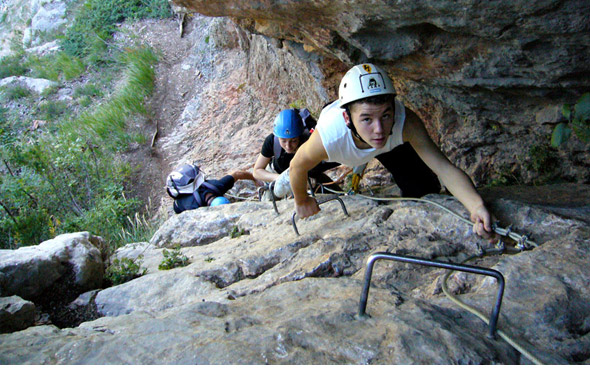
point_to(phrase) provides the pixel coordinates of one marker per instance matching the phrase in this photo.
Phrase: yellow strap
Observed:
(356, 179)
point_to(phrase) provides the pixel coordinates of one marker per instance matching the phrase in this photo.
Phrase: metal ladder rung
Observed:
(438, 264)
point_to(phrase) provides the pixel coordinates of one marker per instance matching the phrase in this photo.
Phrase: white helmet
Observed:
(363, 81)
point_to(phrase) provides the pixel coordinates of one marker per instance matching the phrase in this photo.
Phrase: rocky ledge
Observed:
(257, 293)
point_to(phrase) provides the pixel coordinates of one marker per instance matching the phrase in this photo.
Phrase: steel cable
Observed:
(523, 241)
(479, 314)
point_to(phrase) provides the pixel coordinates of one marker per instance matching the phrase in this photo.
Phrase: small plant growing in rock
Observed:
(173, 259)
(543, 160)
(124, 270)
(299, 103)
(236, 232)
(578, 121)
(209, 259)
(15, 92)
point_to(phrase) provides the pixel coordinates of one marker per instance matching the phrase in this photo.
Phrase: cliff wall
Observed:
(487, 78)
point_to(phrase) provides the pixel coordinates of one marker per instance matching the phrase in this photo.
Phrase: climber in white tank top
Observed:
(367, 122)
(338, 140)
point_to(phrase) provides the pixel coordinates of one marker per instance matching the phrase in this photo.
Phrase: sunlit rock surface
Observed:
(272, 297)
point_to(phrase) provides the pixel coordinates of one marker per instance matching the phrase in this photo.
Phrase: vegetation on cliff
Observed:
(61, 169)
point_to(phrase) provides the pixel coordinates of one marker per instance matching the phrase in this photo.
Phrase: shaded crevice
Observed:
(224, 276)
(54, 303)
(338, 265)
(581, 357)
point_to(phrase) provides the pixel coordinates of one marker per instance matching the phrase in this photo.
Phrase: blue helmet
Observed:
(219, 201)
(288, 124)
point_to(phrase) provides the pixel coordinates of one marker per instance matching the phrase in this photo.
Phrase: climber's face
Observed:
(373, 122)
(289, 144)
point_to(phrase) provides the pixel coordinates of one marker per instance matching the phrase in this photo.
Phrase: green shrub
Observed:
(29, 226)
(108, 122)
(542, 159)
(55, 67)
(74, 180)
(52, 110)
(138, 229)
(124, 270)
(173, 259)
(504, 176)
(88, 90)
(10, 93)
(236, 232)
(3, 120)
(66, 178)
(12, 66)
(84, 101)
(299, 103)
(577, 121)
(106, 217)
(96, 21)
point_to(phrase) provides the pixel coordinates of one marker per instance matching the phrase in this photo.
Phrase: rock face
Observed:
(15, 314)
(255, 292)
(224, 91)
(69, 262)
(30, 22)
(38, 85)
(268, 296)
(485, 77)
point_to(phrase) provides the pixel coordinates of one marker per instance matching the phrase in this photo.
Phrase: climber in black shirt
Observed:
(289, 133)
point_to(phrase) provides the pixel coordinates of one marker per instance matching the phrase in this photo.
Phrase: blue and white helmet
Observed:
(184, 180)
(288, 124)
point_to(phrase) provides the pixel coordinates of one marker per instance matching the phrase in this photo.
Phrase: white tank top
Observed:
(339, 144)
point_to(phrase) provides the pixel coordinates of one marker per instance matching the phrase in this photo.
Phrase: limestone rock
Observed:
(268, 296)
(49, 16)
(75, 260)
(44, 49)
(15, 314)
(37, 85)
(483, 76)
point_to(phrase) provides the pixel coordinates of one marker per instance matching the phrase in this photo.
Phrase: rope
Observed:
(479, 314)
(241, 198)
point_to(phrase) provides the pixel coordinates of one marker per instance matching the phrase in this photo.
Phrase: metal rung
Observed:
(271, 187)
(445, 265)
(320, 201)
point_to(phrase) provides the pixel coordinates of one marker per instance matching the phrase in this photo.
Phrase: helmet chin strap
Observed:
(352, 128)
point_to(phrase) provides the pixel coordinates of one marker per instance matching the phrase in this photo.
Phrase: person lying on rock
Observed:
(190, 190)
(367, 122)
(272, 164)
